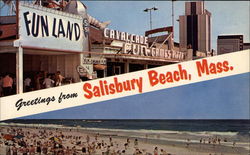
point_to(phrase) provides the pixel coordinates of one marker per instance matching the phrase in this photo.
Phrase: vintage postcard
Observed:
(124, 77)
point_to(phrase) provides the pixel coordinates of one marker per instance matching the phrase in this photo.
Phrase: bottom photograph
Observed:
(124, 137)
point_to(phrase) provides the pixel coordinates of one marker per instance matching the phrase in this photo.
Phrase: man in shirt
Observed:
(7, 85)
(59, 78)
(27, 82)
(48, 82)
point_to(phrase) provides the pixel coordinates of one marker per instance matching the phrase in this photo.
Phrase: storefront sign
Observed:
(84, 70)
(143, 50)
(138, 45)
(94, 61)
(124, 36)
(46, 28)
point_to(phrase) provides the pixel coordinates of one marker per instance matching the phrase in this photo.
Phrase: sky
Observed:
(228, 17)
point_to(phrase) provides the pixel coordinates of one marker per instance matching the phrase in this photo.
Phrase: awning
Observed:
(99, 67)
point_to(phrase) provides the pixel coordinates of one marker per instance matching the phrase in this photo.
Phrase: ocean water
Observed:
(241, 127)
(165, 131)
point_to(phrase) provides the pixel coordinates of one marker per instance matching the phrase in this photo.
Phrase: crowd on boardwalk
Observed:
(37, 81)
(54, 142)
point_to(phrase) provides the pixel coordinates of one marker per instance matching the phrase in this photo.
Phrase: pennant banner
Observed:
(124, 85)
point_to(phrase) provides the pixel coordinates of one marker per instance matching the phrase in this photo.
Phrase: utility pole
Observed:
(173, 15)
(150, 15)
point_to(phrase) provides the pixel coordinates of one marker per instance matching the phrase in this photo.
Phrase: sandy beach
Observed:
(58, 140)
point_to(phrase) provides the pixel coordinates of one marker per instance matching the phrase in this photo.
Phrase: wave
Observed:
(92, 121)
(99, 121)
(139, 131)
(32, 125)
(172, 132)
(213, 133)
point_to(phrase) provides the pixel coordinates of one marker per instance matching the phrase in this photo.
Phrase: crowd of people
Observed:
(215, 141)
(37, 81)
(54, 142)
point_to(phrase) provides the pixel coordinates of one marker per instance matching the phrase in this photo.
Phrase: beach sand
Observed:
(100, 142)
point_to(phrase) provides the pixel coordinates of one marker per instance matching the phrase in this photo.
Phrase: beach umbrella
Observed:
(8, 137)
(55, 139)
(19, 136)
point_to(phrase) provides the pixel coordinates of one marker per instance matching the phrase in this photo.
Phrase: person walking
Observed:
(136, 143)
(37, 81)
(14, 150)
(8, 150)
(156, 151)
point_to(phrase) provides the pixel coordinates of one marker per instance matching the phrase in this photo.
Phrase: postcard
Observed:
(124, 77)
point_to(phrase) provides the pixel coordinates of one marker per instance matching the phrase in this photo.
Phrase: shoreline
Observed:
(173, 146)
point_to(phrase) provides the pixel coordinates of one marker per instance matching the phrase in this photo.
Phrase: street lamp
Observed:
(150, 15)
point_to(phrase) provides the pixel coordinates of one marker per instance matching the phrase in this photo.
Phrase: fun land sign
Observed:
(46, 28)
